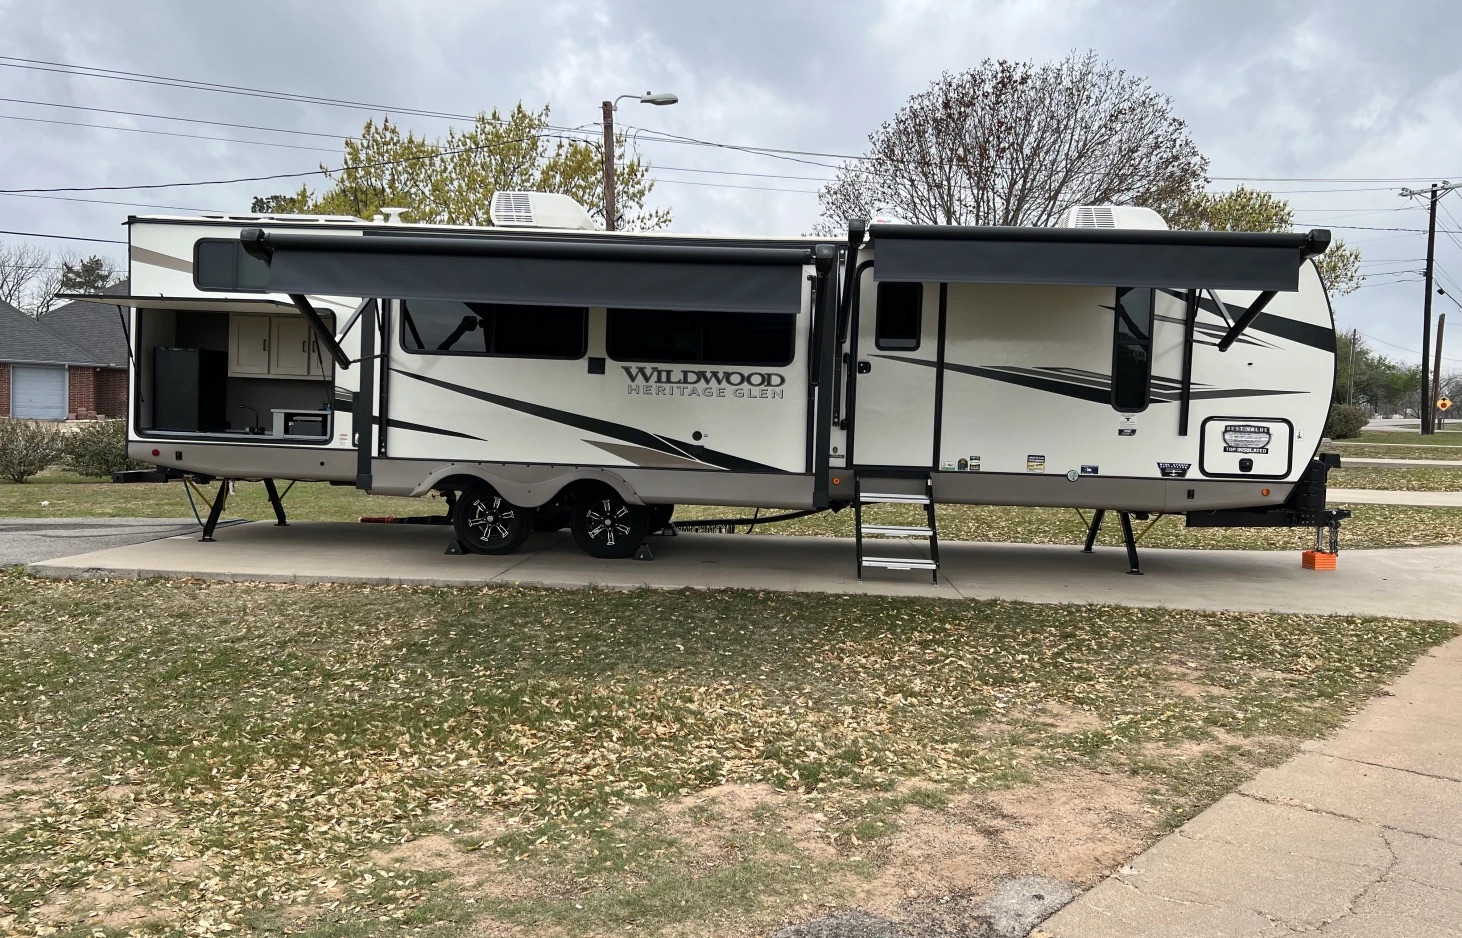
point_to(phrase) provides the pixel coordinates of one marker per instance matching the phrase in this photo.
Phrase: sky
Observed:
(1335, 106)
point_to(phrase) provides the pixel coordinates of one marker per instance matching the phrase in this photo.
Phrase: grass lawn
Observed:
(1440, 438)
(202, 758)
(1373, 525)
(1397, 480)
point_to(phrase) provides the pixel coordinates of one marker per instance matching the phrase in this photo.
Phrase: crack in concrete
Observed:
(1385, 877)
(1382, 765)
(1286, 853)
(1295, 803)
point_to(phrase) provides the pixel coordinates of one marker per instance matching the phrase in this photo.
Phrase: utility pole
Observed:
(1437, 371)
(609, 212)
(1437, 190)
(1426, 313)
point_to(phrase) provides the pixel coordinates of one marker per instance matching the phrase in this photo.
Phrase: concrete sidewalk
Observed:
(1360, 836)
(1384, 497)
(1422, 582)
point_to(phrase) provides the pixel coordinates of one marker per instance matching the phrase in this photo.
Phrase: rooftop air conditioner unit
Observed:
(538, 210)
(1111, 216)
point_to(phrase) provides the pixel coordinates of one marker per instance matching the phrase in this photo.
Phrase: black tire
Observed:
(487, 523)
(607, 526)
(660, 516)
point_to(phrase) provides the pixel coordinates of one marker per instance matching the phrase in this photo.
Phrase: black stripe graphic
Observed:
(395, 424)
(605, 428)
(1303, 333)
(1033, 378)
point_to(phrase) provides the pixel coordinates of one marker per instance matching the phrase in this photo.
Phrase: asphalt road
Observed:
(29, 540)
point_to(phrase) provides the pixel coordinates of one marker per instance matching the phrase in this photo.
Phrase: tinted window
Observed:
(225, 265)
(452, 328)
(900, 307)
(651, 335)
(1132, 349)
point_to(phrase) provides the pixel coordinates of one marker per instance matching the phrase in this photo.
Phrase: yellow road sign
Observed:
(1444, 403)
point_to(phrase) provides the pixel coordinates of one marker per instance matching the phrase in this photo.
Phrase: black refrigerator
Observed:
(189, 389)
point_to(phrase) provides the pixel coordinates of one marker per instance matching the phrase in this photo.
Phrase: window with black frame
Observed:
(899, 317)
(449, 327)
(1132, 349)
(696, 337)
(225, 265)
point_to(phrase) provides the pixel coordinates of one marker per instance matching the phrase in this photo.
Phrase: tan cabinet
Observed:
(248, 345)
(274, 346)
(291, 347)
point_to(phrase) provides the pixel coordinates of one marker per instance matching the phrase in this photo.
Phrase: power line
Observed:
(1403, 348)
(63, 198)
(169, 117)
(727, 185)
(165, 133)
(274, 176)
(38, 234)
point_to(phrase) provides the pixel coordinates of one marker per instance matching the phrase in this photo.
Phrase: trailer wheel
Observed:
(660, 516)
(487, 523)
(607, 526)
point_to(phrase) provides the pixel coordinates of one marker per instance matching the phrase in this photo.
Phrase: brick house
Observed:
(69, 364)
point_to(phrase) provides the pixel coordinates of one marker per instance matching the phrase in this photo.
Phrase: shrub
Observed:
(27, 447)
(98, 448)
(1346, 421)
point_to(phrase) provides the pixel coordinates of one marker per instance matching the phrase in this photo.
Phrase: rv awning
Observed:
(1217, 260)
(535, 271)
(202, 304)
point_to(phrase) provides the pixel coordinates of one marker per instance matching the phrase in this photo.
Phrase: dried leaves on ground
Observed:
(190, 758)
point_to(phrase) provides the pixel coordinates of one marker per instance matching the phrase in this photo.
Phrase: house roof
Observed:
(95, 329)
(27, 341)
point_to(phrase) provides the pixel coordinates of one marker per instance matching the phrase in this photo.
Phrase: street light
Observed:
(660, 100)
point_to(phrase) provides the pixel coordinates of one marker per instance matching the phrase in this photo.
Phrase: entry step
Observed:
(892, 498)
(897, 530)
(900, 563)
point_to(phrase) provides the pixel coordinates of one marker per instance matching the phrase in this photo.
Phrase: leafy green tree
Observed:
(1380, 384)
(91, 275)
(451, 180)
(1245, 209)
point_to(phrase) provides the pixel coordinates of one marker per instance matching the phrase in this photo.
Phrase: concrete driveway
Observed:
(1420, 582)
(30, 540)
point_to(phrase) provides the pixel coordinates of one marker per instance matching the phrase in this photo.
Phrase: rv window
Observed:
(683, 337)
(225, 265)
(447, 327)
(899, 308)
(1132, 350)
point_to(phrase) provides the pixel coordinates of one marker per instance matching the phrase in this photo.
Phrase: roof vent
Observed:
(538, 210)
(1111, 216)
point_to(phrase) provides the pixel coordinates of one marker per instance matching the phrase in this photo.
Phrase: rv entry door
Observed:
(897, 358)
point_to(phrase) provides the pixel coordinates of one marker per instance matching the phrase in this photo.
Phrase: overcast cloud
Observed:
(1345, 90)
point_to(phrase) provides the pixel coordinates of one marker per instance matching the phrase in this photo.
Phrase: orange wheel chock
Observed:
(1319, 560)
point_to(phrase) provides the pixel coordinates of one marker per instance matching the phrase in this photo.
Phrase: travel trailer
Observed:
(544, 374)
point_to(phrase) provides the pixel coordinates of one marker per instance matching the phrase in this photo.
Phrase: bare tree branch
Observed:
(1010, 143)
(21, 266)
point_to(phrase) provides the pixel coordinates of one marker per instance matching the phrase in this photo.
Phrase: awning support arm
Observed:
(1247, 317)
(1222, 307)
(322, 331)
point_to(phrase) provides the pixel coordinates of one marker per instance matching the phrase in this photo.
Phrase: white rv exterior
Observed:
(765, 372)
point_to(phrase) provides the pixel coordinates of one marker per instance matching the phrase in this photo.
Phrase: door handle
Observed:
(864, 367)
